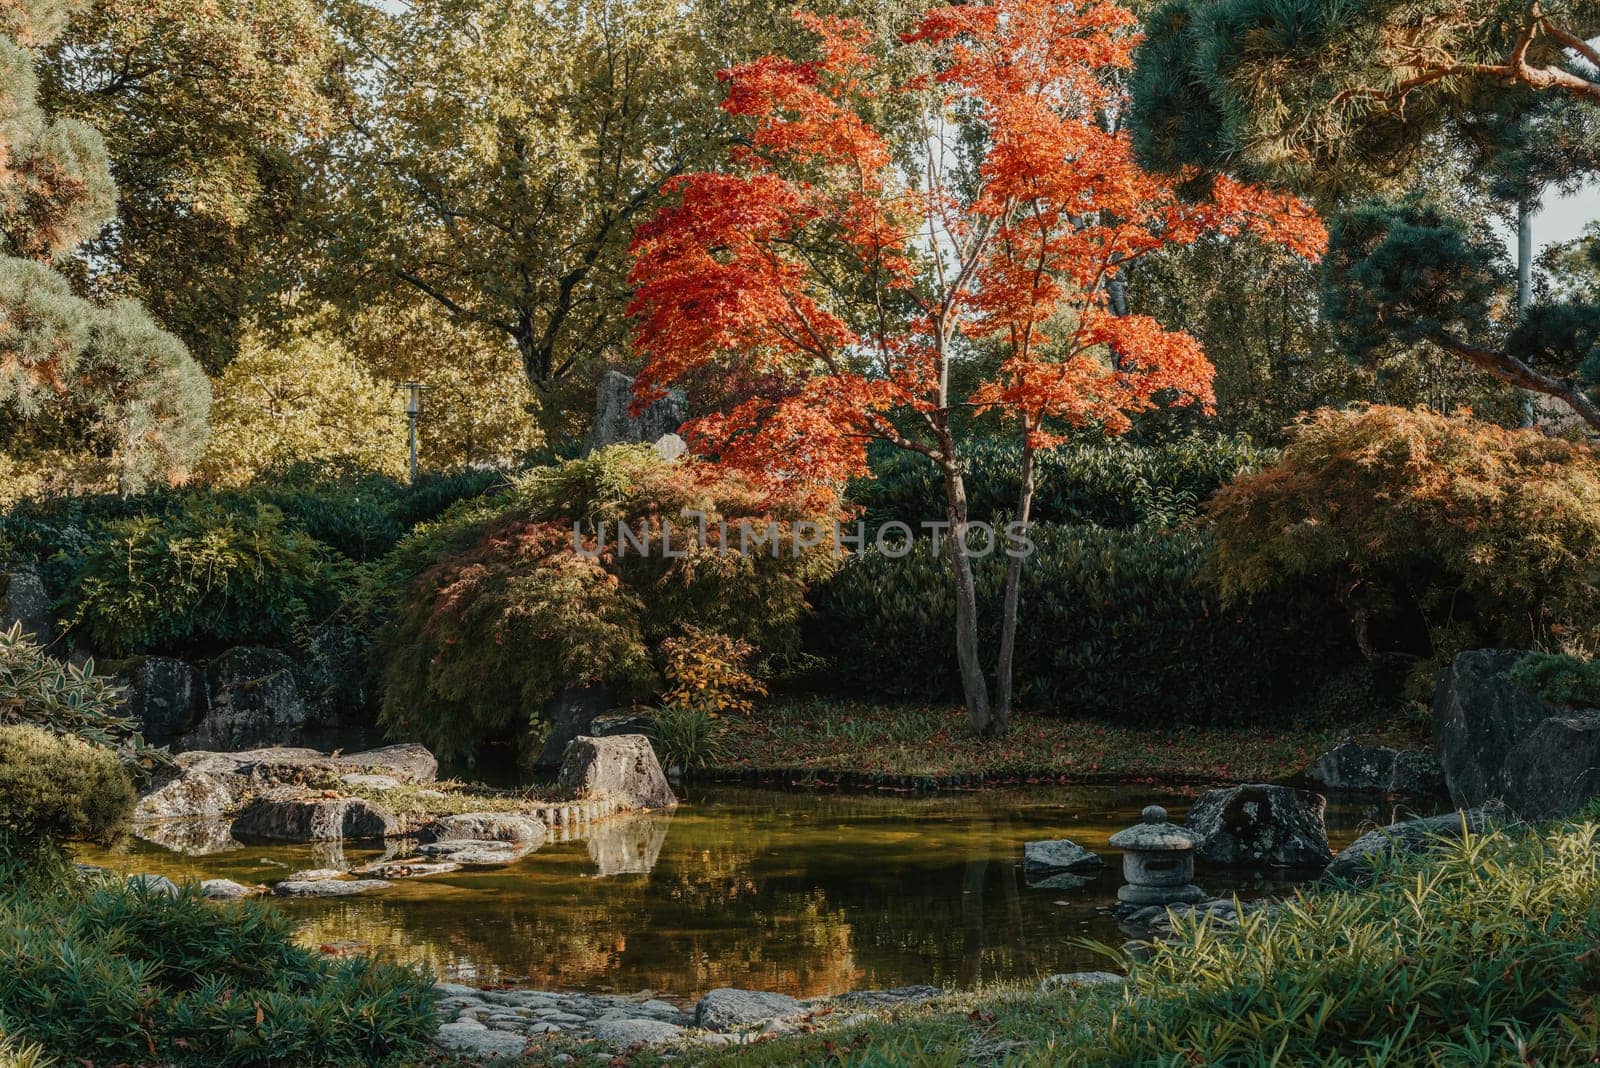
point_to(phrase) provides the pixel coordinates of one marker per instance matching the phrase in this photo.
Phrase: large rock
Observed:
(1277, 826)
(1043, 859)
(623, 767)
(1353, 768)
(727, 1008)
(571, 713)
(24, 600)
(166, 696)
(327, 887)
(615, 423)
(255, 700)
(191, 795)
(408, 762)
(489, 827)
(332, 819)
(1412, 836)
(625, 1032)
(1498, 742)
(1479, 717)
(472, 1039)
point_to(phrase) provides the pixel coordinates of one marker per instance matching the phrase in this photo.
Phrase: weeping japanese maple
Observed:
(898, 206)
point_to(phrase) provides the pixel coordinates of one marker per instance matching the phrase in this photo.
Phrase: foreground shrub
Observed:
(118, 975)
(1482, 955)
(54, 787)
(1113, 484)
(41, 691)
(202, 579)
(1113, 623)
(1569, 681)
(513, 612)
(1437, 533)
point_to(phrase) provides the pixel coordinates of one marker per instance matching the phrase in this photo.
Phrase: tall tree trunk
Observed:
(1008, 619)
(974, 687)
(1530, 410)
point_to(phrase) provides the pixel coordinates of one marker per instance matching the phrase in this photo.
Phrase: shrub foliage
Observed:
(56, 787)
(1436, 532)
(513, 611)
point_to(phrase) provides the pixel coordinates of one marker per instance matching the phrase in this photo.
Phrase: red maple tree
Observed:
(898, 207)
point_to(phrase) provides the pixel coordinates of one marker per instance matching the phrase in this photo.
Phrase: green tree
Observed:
(1330, 99)
(208, 110)
(70, 370)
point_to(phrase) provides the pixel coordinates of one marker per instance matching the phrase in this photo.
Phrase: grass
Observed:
(1484, 954)
(837, 737)
(446, 797)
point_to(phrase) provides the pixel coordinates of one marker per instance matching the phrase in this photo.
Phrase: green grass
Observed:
(449, 798)
(834, 737)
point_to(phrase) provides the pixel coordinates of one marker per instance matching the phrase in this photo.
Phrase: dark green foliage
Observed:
(118, 975)
(201, 580)
(1115, 484)
(38, 690)
(54, 787)
(1561, 680)
(1115, 624)
(1399, 274)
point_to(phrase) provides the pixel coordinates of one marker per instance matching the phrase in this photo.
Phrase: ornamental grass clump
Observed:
(1483, 954)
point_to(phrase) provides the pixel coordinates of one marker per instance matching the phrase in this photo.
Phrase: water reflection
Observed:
(804, 893)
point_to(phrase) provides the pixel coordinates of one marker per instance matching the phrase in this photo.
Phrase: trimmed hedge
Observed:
(54, 787)
(1113, 623)
(1116, 484)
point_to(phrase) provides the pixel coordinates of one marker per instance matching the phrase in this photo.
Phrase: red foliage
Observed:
(820, 265)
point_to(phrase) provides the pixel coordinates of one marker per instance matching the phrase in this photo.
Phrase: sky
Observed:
(1564, 218)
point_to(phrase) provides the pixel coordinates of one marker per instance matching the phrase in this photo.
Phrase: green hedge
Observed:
(1116, 484)
(1113, 623)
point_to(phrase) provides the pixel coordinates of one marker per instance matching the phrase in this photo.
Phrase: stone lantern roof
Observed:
(1155, 834)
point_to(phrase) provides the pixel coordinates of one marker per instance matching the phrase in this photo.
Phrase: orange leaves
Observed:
(848, 264)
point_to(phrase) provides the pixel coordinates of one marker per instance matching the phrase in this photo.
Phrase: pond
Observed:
(804, 893)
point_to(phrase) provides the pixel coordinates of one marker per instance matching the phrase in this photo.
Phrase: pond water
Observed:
(805, 893)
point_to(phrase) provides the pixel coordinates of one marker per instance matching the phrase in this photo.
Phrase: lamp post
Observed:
(413, 410)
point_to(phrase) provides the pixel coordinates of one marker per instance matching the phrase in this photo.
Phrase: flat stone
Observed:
(408, 762)
(225, 889)
(882, 999)
(1082, 980)
(313, 875)
(409, 869)
(456, 990)
(1040, 859)
(728, 1007)
(327, 887)
(490, 827)
(623, 1033)
(476, 853)
(1412, 836)
(357, 780)
(476, 1040)
(153, 884)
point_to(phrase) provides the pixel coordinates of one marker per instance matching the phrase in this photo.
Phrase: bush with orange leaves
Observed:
(547, 597)
(1441, 532)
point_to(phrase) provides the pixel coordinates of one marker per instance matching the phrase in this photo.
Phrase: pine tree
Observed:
(73, 372)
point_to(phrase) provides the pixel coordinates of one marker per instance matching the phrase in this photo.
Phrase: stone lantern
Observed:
(1157, 861)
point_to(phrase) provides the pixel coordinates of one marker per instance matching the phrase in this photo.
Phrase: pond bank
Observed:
(911, 747)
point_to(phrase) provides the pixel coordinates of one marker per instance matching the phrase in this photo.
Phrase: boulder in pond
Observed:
(489, 827)
(321, 819)
(1353, 864)
(227, 889)
(189, 795)
(728, 1008)
(1057, 856)
(1353, 768)
(167, 696)
(255, 700)
(327, 887)
(623, 767)
(25, 601)
(153, 885)
(1260, 825)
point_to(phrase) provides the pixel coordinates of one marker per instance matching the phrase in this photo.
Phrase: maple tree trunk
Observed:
(1008, 618)
(974, 686)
